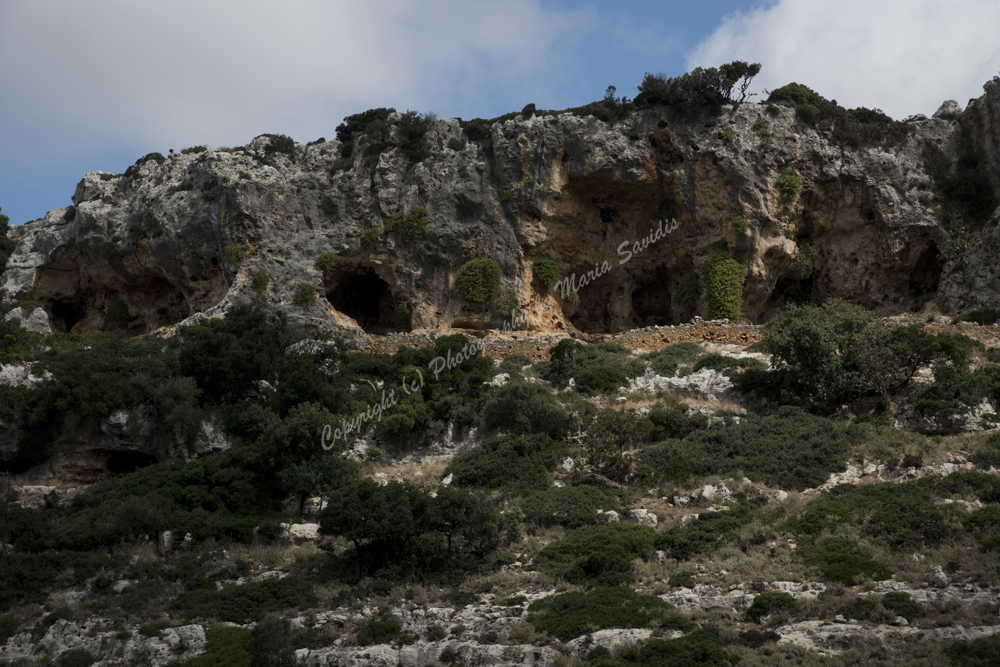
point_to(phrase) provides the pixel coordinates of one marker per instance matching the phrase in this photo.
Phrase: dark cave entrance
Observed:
(124, 462)
(925, 278)
(651, 304)
(362, 295)
(65, 314)
(790, 291)
(14, 467)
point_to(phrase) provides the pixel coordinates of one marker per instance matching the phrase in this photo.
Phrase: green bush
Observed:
(570, 506)
(570, 615)
(700, 88)
(325, 262)
(248, 602)
(76, 657)
(117, 313)
(260, 281)
(701, 647)
(711, 531)
(179, 187)
(236, 253)
(370, 238)
(208, 195)
(840, 560)
(6, 243)
(902, 604)
(270, 644)
(546, 269)
(598, 555)
(769, 603)
(790, 449)
(666, 360)
(372, 122)
(610, 435)
(304, 294)
(412, 225)
(724, 286)
(278, 144)
(523, 407)
(412, 132)
(725, 364)
(983, 317)
(789, 186)
(688, 291)
(515, 464)
(382, 630)
(980, 652)
(599, 368)
(8, 627)
(740, 223)
(226, 647)
(479, 280)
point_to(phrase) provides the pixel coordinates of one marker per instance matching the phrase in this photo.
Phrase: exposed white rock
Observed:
(936, 577)
(32, 319)
(607, 516)
(643, 517)
(707, 382)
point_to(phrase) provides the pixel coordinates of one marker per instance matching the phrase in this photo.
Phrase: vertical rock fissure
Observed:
(213, 222)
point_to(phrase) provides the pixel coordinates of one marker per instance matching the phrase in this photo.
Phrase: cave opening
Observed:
(127, 461)
(798, 291)
(14, 467)
(366, 298)
(65, 314)
(651, 304)
(925, 278)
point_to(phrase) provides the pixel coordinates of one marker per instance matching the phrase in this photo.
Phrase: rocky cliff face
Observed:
(590, 194)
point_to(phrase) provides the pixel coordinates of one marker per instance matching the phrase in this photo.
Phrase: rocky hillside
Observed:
(810, 214)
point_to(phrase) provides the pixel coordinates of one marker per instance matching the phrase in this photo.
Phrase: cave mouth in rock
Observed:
(14, 467)
(65, 314)
(651, 304)
(127, 461)
(790, 291)
(925, 278)
(363, 296)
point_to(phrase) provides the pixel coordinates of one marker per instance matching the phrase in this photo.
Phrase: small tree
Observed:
(724, 286)
(270, 644)
(479, 280)
(325, 262)
(546, 269)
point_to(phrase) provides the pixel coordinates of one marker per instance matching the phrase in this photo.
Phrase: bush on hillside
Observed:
(524, 407)
(724, 286)
(479, 280)
(598, 555)
(515, 464)
(570, 615)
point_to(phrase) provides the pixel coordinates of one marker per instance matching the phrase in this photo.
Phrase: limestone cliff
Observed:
(863, 228)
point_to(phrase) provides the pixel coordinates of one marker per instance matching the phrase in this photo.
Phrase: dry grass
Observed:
(426, 474)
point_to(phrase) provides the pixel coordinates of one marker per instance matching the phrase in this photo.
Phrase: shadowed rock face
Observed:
(629, 218)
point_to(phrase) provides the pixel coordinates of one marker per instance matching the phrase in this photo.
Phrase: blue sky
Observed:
(92, 85)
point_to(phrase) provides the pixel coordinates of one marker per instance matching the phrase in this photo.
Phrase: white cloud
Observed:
(903, 58)
(172, 74)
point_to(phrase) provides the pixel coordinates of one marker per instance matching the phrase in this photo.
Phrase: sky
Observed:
(93, 85)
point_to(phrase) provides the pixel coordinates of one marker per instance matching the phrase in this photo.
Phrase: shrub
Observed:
(208, 195)
(117, 313)
(278, 144)
(790, 449)
(956, 243)
(570, 615)
(700, 88)
(789, 186)
(479, 280)
(76, 657)
(412, 225)
(382, 630)
(665, 360)
(373, 120)
(436, 633)
(983, 317)
(260, 281)
(769, 603)
(523, 407)
(740, 223)
(304, 294)
(236, 253)
(570, 506)
(412, 133)
(180, 187)
(711, 531)
(476, 129)
(980, 652)
(508, 304)
(727, 135)
(247, 602)
(840, 560)
(402, 309)
(611, 433)
(325, 262)
(226, 647)
(270, 644)
(601, 367)
(724, 286)
(573, 298)
(902, 604)
(598, 555)
(370, 238)
(514, 464)
(546, 269)
(688, 291)
(194, 150)
(8, 627)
